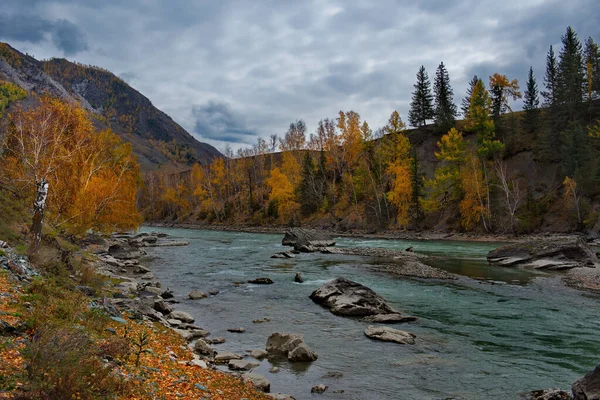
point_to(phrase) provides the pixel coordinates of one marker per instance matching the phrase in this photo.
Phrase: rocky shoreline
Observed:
(139, 292)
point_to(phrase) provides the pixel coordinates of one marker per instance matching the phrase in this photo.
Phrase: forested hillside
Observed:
(495, 170)
(155, 137)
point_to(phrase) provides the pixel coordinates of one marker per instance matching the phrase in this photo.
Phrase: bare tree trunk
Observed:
(39, 206)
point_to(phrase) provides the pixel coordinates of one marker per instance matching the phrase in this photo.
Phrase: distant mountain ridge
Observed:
(155, 137)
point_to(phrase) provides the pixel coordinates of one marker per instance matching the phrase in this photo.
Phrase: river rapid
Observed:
(503, 333)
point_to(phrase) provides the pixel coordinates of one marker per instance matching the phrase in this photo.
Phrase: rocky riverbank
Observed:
(123, 321)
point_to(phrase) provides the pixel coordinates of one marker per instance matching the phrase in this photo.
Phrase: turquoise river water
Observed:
(493, 337)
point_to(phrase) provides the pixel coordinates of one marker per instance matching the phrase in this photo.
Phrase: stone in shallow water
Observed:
(258, 381)
(388, 334)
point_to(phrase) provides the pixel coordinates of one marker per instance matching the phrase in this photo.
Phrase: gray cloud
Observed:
(217, 121)
(253, 67)
(65, 35)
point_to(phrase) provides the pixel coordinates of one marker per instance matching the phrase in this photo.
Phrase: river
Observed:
(503, 333)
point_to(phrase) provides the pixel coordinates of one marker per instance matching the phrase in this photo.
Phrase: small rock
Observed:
(167, 294)
(196, 294)
(225, 356)
(274, 370)
(302, 353)
(261, 281)
(236, 330)
(551, 394)
(213, 292)
(281, 396)
(202, 348)
(200, 387)
(119, 320)
(333, 375)
(258, 354)
(173, 322)
(388, 334)
(217, 340)
(241, 365)
(260, 321)
(319, 388)
(258, 381)
(298, 278)
(199, 363)
(182, 316)
(162, 307)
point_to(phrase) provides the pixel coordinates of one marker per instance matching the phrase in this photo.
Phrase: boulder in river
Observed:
(261, 281)
(548, 394)
(306, 240)
(124, 251)
(290, 345)
(197, 294)
(554, 254)
(241, 365)
(388, 334)
(588, 387)
(348, 298)
(298, 278)
(321, 388)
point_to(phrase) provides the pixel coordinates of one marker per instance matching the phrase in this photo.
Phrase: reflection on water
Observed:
(476, 339)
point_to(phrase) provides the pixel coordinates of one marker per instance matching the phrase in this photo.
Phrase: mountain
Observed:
(156, 139)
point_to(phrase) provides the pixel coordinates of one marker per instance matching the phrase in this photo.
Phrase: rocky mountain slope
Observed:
(156, 138)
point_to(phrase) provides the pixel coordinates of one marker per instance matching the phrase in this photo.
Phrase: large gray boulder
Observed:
(588, 387)
(290, 345)
(348, 298)
(553, 254)
(307, 240)
(388, 334)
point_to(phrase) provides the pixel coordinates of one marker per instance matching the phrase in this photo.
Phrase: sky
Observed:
(231, 71)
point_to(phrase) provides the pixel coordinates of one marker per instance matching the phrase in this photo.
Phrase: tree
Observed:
(79, 179)
(531, 105)
(479, 121)
(295, 137)
(550, 80)
(502, 89)
(512, 192)
(421, 106)
(592, 64)
(445, 109)
(570, 78)
(466, 102)
(445, 185)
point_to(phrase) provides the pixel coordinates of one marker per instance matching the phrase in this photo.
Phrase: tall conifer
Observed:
(445, 109)
(421, 106)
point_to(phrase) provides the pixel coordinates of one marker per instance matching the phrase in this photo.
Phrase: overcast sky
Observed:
(232, 70)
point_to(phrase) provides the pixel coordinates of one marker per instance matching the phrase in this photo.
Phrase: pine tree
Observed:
(531, 104)
(445, 109)
(466, 102)
(550, 80)
(421, 106)
(592, 64)
(570, 78)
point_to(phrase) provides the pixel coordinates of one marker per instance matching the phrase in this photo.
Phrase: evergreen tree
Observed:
(445, 109)
(592, 66)
(550, 80)
(551, 141)
(421, 106)
(466, 102)
(531, 104)
(309, 193)
(570, 78)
